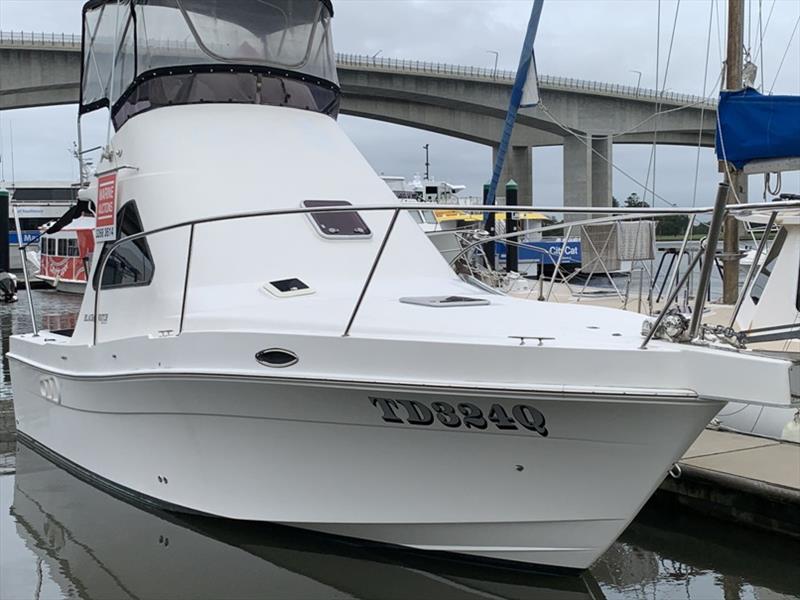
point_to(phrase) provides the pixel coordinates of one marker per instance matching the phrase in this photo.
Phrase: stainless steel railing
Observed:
(619, 213)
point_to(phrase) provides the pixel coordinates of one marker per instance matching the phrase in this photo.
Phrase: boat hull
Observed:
(323, 457)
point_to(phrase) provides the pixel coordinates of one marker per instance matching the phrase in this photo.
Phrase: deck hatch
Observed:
(444, 301)
(283, 288)
(337, 225)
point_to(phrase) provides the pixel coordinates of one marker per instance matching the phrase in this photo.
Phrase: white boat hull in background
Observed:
(248, 448)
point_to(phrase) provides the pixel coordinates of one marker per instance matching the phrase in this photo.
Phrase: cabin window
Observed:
(769, 264)
(52, 247)
(337, 225)
(62, 247)
(131, 264)
(797, 304)
(72, 248)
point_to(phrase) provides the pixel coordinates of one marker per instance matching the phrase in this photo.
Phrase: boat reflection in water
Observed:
(674, 553)
(98, 546)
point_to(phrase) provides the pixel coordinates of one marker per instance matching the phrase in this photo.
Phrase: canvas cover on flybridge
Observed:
(752, 126)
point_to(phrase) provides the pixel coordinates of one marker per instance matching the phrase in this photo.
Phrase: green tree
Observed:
(633, 201)
(672, 225)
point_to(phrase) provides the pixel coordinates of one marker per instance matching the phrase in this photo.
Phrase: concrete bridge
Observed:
(470, 103)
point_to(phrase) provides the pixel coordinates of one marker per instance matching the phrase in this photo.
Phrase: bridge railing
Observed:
(366, 62)
(38, 39)
(545, 81)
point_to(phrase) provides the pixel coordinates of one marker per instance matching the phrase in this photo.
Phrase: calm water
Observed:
(63, 538)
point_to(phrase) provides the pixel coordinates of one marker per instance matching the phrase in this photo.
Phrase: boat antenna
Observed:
(427, 162)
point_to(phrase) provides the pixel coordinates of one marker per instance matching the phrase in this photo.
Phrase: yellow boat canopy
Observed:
(460, 215)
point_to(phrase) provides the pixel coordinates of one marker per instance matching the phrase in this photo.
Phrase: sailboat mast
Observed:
(738, 180)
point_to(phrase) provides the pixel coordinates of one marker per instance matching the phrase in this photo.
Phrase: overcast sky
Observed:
(590, 39)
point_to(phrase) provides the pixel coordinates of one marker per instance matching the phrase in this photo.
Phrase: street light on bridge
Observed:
(496, 58)
(638, 81)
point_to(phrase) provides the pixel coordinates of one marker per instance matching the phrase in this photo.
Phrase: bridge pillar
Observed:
(587, 171)
(519, 167)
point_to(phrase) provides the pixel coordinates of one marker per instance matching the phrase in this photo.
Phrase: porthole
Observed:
(277, 358)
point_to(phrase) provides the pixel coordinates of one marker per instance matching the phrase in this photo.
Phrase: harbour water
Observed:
(60, 537)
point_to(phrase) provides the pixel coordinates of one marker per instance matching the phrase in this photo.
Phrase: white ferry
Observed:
(65, 255)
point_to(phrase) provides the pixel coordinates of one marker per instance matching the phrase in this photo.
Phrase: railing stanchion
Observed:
(186, 277)
(558, 262)
(371, 272)
(669, 301)
(23, 258)
(711, 250)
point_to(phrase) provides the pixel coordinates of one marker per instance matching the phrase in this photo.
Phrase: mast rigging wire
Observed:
(581, 139)
(785, 53)
(702, 108)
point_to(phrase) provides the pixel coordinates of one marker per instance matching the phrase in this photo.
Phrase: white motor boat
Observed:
(333, 387)
(446, 229)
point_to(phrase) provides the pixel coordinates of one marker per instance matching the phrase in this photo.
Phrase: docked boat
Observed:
(448, 230)
(65, 255)
(334, 388)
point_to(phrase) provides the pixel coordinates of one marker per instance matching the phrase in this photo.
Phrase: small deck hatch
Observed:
(283, 288)
(337, 225)
(444, 301)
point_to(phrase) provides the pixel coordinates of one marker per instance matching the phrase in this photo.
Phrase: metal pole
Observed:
(752, 271)
(674, 274)
(427, 162)
(371, 273)
(733, 81)
(5, 257)
(558, 262)
(669, 301)
(186, 278)
(489, 247)
(526, 56)
(708, 262)
(512, 252)
(28, 290)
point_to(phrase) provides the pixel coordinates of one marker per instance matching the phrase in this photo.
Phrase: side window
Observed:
(72, 247)
(769, 264)
(131, 264)
(62, 247)
(797, 304)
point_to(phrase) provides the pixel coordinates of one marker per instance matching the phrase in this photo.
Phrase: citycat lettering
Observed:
(464, 415)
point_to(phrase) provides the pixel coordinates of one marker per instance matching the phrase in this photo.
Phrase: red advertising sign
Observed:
(106, 224)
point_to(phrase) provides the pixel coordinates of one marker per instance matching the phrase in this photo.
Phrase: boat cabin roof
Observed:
(145, 54)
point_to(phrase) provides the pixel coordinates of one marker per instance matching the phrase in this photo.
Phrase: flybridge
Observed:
(138, 56)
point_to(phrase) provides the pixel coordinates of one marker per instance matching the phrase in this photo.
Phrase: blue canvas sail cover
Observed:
(752, 126)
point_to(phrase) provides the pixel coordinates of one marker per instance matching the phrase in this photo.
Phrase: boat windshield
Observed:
(125, 39)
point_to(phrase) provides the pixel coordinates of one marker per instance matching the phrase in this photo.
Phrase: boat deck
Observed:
(748, 479)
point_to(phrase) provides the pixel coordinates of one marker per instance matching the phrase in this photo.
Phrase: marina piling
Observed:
(512, 250)
(489, 247)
